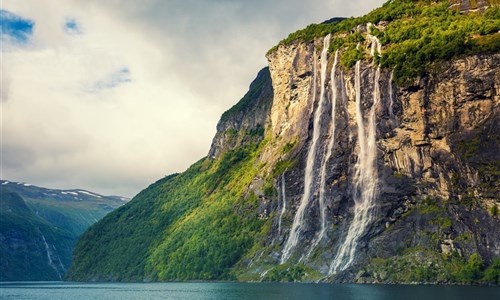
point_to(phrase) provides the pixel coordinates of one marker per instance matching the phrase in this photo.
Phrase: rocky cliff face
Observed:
(435, 182)
(245, 121)
(465, 6)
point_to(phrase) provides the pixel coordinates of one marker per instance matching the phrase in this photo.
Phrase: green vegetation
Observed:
(23, 252)
(260, 85)
(288, 147)
(31, 216)
(494, 210)
(195, 225)
(418, 34)
(492, 273)
(291, 273)
(419, 265)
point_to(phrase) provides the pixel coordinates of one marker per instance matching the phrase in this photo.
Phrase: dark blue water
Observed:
(238, 291)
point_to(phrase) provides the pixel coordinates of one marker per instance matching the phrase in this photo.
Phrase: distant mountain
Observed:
(39, 228)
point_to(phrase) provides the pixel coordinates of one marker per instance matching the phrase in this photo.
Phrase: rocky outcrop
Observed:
(465, 6)
(247, 119)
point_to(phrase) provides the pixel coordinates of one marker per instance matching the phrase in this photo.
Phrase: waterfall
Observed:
(329, 151)
(49, 258)
(391, 97)
(365, 179)
(298, 220)
(283, 201)
(375, 43)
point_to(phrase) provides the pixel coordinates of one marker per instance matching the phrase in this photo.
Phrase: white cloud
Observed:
(135, 91)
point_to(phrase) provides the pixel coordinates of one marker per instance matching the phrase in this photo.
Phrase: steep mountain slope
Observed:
(357, 157)
(190, 225)
(39, 228)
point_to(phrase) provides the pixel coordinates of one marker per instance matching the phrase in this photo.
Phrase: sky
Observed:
(112, 95)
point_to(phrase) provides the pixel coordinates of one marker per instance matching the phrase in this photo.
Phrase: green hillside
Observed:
(194, 225)
(29, 242)
(39, 228)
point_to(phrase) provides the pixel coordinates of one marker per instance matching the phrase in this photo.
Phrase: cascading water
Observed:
(283, 201)
(365, 179)
(329, 151)
(298, 220)
(49, 258)
(375, 43)
(391, 97)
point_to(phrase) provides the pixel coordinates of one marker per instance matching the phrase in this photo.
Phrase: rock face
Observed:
(465, 6)
(435, 180)
(428, 138)
(247, 118)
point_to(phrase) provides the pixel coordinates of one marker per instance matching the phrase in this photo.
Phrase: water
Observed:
(49, 258)
(391, 96)
(375, 43)
(283, 200)
(238, 291)
(298, 220)
(365, 179)
(329, 151)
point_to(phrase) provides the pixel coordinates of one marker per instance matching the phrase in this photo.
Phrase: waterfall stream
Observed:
(298, 220)
(329, 151)
(49, 258)
(283, 201)
(391, 97)
(365, 179)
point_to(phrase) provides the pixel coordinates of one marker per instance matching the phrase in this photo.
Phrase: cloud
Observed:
(113, 80)
(111, 95)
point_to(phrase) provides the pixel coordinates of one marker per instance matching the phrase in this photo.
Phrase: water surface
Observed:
(237, 291)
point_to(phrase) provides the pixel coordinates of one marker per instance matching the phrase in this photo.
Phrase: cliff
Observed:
(368, 152)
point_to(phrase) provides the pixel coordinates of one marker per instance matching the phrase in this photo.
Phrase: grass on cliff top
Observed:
(417, 34)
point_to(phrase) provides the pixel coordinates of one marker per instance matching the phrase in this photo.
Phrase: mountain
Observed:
(366, 152)
(39, 228)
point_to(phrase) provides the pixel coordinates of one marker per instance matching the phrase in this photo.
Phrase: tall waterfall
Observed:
(49, 257)
(298, 220)
(283, 201)
(329, 151)
(365, 179)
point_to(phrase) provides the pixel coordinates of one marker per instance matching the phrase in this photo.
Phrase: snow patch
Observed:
(69, 193)
(89, 194)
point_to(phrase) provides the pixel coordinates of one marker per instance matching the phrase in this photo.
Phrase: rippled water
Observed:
(239, 291)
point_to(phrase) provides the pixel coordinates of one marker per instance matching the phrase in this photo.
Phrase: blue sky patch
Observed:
(15, 27)
(72, 27)
(115, 79)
